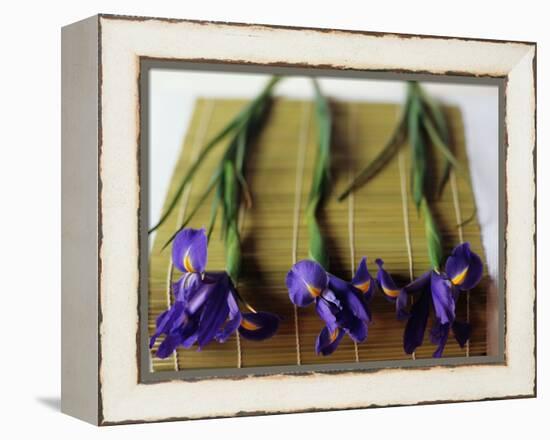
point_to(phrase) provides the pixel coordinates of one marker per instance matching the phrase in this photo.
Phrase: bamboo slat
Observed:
(374, 223)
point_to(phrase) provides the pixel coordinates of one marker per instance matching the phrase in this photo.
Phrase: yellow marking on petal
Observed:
(334, 335)
(391, 293)
(247, 325)
(313, 291)
(459, 279)
(187, 263)
(363, 287)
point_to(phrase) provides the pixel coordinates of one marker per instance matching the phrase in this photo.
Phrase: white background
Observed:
(172, 95)
(30, 217)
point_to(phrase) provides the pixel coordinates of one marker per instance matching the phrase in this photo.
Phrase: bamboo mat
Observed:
(374, 222)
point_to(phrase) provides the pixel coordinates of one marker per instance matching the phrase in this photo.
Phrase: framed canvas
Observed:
(221, 184)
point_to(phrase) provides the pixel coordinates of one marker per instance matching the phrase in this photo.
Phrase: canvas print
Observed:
(297, 222)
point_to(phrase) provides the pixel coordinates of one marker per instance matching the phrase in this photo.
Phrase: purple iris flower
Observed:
(206, 305)
(439, 291)
(343, 306)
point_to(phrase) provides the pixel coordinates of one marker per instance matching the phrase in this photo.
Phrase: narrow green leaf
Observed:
(321, 179)
(213, 216)
(213, 181)
(435, 113)
(433, 238)
(230, 190)
(396, 139)
(233, 251)
(439, 143)
(418, 148)
(317, 248)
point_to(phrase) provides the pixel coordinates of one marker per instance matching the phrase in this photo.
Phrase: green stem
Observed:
(396, 139)
(433, 238)
(321, 179)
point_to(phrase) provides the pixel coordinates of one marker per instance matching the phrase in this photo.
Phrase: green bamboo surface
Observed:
(371, 223)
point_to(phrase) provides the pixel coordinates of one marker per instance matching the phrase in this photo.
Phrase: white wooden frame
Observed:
(100, 135)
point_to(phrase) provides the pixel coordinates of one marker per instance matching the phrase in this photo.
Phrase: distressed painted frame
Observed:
(101, 65)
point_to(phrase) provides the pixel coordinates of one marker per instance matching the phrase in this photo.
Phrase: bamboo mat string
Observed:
(351, 204)
(300, 162)
(458, 213)
(242, 212)
(196, 147)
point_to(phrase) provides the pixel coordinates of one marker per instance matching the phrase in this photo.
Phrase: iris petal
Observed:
(306, 280)
(442, 296)
(416, 325)
(189, 251)
(186, 286)
(189, 333)
(386, 282)
(464, 267)
(168, 346)
(168, 320)
(233, 322)
(401, 305)
(214, 312)
(328, 341)
(258, 326)
(462, 332)
(363, 280)
(358, 330)
(327, 311)
(419, 284)
(349, 297)
(439, 335)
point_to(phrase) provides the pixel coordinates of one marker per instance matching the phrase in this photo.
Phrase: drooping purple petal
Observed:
(214, 312)
(168, 320)
(233, 322)
(356, 304)
(416, 325)
(349, 296)
(464, 267)
(161, 319)
(442, 297)
(331, 297)
(327, 311)
(401, 305)
(462, 332)
(198, 296)
(358, 330)
(363, 280)
(385, 281)
(258, 326)
(439, 335)
(185, 286)
(167, 347)
(189, 333)
(475, 272)
(328, 341)
(306, 280)
(419, 284)
(189, 251)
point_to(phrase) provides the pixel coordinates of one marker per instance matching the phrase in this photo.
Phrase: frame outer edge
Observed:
(115, 420)
(80, 220)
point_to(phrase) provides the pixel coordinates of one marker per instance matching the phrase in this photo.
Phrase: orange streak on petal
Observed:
(188, 264)
(249, 325)
(459, 279)
(363, 287)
